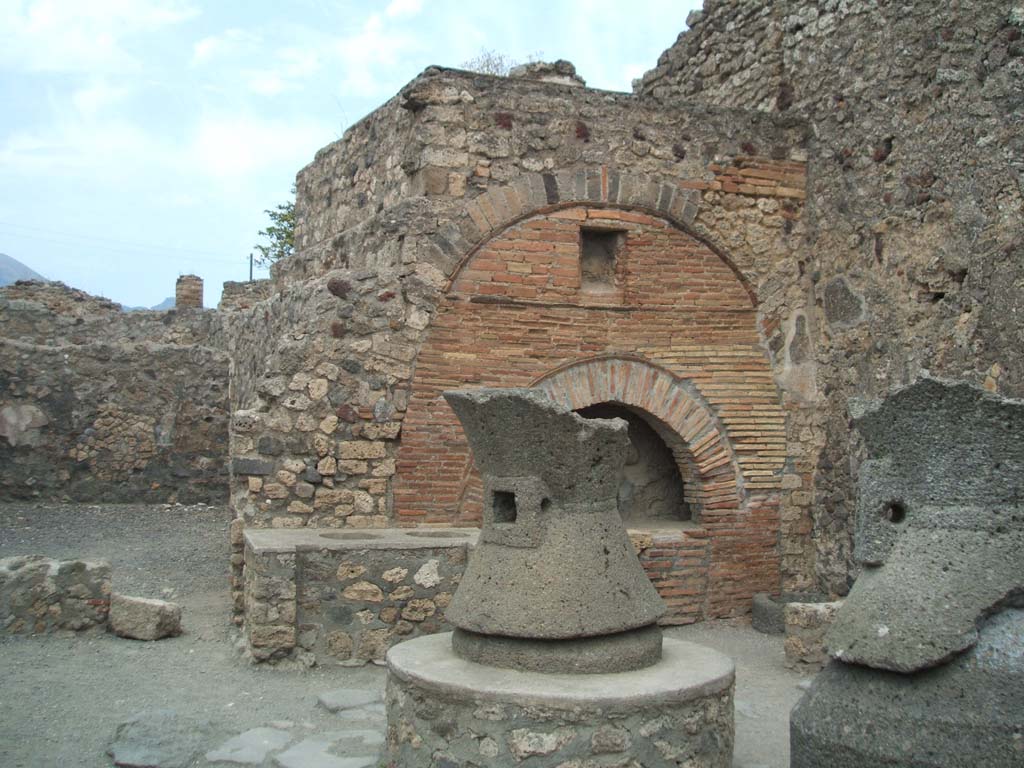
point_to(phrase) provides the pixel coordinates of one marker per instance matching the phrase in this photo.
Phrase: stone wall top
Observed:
(450, 136)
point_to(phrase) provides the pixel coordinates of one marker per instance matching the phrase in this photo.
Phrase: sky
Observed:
(144, 139)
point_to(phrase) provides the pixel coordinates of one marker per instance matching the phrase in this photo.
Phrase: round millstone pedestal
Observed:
(446, 711)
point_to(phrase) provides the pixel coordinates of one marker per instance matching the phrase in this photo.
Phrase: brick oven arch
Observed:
(672, 406)
(671, 332)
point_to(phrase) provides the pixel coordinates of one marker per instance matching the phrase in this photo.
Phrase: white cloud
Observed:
(80, 35)
(403, 8)
(266, 83)
(297, 62)
(363, 54)
(229, 42)
(96, 97)
(230, 147)
(294, 65)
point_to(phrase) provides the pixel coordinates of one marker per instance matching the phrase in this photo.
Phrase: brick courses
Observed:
(677, 338)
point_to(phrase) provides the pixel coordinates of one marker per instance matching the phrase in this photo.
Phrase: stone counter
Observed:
(344, 596)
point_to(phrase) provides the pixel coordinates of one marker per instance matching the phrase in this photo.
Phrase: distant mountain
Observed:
(12, 270)
(163, 306)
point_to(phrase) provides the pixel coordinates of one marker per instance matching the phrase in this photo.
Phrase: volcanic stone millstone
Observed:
(554, 561)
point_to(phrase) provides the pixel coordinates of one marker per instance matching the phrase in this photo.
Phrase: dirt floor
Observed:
(64, 695)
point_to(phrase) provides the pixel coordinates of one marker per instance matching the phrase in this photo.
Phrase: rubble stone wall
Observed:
(346, 601)
(321, 428)
(914, 238)
(97, 404)
(39, 595)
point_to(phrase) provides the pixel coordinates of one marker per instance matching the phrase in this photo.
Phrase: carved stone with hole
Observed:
(554, 562)
(929, 645)
(556, 647)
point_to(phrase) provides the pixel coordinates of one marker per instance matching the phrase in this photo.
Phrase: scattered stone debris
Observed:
(142, 618)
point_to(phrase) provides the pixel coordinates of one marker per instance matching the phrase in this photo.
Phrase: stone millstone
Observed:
(961, 715)
(940, 525)
(554, 561)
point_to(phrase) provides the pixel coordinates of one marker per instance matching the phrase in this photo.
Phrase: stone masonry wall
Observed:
(346, 600)
(97, 404)
(914, 239)
(387, 215)
(39, 595)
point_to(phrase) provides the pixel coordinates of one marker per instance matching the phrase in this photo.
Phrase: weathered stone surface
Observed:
(159, 739)
(21, 424)
(316, 752)
(40, 595)
(551, 480)
(251, 747)
(806, 625)
(905, 212)
(768, 614)
(348, 698)
(633, 649)
(359, 587)
(966, 713)
(677, 712)
(940, 525)
(142, 618)
(105, 405)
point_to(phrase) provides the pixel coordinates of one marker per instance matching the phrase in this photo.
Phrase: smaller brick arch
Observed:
(679, 414)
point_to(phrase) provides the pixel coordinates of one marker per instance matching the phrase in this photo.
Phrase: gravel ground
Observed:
(64, 695)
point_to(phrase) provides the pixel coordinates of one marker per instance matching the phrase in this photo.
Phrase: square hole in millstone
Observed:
(504, 507)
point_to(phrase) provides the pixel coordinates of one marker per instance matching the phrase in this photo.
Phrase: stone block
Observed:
(243, 466)
(141, 618)
(362, 449)
(806, 625)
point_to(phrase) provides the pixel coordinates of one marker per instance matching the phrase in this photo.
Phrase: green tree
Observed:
(280, 234)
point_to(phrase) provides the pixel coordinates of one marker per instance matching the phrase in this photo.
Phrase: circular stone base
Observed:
(620, 652)
(445, 710)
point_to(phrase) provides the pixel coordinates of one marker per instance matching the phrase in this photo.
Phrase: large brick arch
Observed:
(679, 327)
(496, 209)
(677, 411)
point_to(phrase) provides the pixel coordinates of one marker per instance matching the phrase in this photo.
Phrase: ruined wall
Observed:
(97, 404)
(244, 295)
(914, 241)
(386, 216)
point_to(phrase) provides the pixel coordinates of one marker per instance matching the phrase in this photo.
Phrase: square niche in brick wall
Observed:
(599, 252)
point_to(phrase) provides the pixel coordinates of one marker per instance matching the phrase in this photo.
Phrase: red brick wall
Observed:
(677, 326)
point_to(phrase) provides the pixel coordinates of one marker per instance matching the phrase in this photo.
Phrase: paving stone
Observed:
(159, 739)
(251, 747)
(372, 712)
(369, 737)
(348, 698)
(314, 752)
